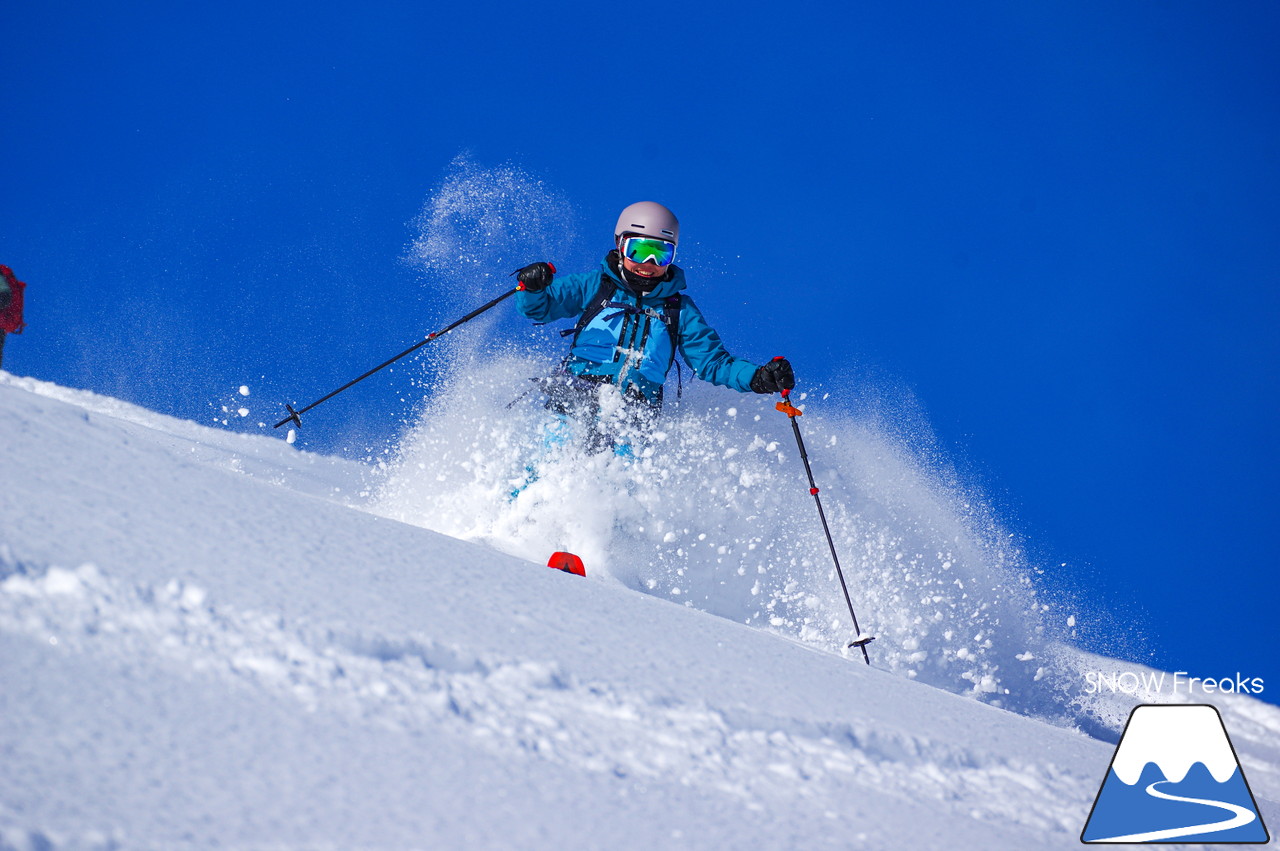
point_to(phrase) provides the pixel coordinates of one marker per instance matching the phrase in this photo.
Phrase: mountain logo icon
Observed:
(1175, 778)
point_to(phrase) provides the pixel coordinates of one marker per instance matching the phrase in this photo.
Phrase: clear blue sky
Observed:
(1055, 224)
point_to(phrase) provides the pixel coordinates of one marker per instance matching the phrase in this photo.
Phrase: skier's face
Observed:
(644, 270)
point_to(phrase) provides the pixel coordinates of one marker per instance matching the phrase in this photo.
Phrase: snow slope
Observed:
(214, 640)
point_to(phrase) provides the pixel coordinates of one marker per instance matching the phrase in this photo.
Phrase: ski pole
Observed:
(295, 416)
(860, 641)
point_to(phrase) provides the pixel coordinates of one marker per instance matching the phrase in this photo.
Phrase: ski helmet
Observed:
(648, 218)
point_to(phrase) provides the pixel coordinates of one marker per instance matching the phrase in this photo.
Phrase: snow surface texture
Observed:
(207, 640)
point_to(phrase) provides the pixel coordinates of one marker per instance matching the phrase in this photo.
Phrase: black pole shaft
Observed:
(822, 515)
(294, 415)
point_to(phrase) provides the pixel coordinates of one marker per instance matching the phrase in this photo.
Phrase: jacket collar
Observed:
(670, 284)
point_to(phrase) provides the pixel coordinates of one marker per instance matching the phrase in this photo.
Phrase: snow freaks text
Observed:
(1147, 682)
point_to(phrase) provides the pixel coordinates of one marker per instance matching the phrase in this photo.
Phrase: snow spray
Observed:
(706, 514)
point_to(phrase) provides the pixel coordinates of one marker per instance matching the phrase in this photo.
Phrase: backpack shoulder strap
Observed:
(671, 306)
(598, 303)
(671, 317)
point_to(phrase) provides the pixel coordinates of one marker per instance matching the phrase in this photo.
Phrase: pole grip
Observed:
(786, 391)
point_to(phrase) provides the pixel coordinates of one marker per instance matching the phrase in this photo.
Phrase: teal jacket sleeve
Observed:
(706, 354)
(567, 296)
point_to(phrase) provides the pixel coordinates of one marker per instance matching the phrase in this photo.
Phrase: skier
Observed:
(633, 317)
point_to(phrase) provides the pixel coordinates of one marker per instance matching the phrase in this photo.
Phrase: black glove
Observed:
(535, 277)
(774, 376)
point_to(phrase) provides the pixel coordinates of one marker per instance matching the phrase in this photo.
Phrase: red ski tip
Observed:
(568, 562)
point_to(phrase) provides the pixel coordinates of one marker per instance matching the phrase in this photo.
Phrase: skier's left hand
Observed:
(774, 376)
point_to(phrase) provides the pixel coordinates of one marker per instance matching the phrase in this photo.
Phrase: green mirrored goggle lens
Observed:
(643, 249)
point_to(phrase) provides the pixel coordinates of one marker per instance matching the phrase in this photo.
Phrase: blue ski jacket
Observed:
(627, 341)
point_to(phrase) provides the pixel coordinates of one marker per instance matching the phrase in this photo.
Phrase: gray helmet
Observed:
(648, 218)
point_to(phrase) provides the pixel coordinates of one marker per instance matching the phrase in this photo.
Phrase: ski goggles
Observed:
(646, 249)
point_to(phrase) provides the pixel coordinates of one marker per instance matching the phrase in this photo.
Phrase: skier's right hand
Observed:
(535, 277)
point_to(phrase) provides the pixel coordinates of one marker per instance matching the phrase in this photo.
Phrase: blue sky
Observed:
(1053, 226)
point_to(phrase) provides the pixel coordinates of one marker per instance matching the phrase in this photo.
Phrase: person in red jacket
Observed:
(10, 306)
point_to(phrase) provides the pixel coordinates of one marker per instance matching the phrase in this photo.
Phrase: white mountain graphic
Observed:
(1174, 741)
